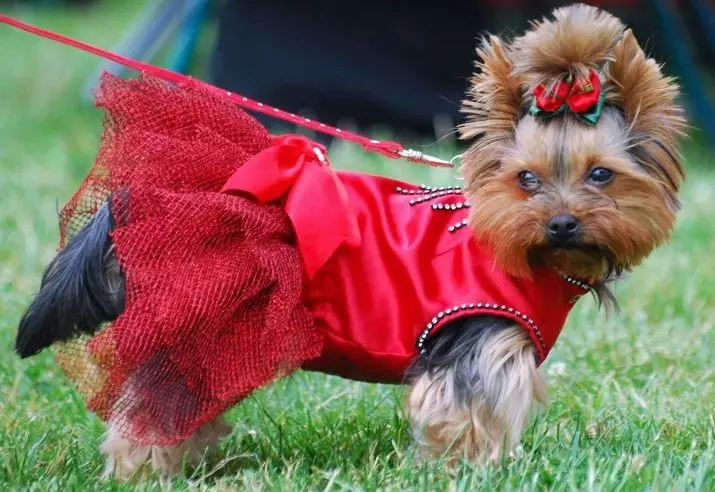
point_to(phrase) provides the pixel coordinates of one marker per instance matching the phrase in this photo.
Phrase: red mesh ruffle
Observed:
(213, 282)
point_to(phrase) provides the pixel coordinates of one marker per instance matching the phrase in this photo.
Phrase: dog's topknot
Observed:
(572, 41)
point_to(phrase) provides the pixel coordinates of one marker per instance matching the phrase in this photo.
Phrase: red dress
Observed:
(247, 257)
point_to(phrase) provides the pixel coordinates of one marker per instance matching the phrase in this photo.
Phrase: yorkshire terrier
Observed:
(588, 194)
(593, 201)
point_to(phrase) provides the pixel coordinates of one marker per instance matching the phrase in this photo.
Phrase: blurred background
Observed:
(397, 66)
(643, 381)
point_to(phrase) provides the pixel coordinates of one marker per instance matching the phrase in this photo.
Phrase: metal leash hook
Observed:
(420, 157)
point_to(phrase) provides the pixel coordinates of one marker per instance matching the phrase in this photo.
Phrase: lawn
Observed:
(632, 397)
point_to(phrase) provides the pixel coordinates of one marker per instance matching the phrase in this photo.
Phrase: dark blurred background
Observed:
(397, 64)
(401, 62)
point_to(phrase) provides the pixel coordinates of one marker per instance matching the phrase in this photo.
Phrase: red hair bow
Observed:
(585, 100)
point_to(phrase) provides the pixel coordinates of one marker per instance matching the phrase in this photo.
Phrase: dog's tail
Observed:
(82, 288)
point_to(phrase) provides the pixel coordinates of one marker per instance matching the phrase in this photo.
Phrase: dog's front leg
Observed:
(471, 391)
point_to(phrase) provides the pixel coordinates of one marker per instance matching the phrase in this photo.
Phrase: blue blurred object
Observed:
(188, 36)
(706, 16)
(162, 22)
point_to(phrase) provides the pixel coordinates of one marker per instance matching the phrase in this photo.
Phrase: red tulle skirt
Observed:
(213, 282)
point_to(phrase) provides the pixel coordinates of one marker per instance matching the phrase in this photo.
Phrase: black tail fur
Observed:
(81, 289)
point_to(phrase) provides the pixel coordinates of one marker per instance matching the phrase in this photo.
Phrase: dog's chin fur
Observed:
(473, 388)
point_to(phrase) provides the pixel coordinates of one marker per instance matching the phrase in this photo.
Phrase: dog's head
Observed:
(574, 162)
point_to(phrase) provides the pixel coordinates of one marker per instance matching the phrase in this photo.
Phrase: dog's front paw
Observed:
(475, 405)
(443, 428)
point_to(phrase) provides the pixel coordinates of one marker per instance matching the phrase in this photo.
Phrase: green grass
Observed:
(632, 398)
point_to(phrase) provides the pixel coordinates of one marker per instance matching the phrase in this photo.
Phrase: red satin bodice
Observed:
(398, 261)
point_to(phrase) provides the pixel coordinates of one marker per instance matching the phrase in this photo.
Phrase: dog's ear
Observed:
(492, 105)
(649, 103)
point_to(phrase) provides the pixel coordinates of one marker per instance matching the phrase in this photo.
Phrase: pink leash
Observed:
(385, 147)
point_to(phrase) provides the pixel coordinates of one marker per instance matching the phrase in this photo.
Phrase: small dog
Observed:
(574, 167)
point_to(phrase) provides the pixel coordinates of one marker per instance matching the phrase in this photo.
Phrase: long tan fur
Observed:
(489, 425)
(649, 102)
(492, 107)
(573, 40)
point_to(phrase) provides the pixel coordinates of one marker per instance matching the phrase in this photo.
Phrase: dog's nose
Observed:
(563, 230)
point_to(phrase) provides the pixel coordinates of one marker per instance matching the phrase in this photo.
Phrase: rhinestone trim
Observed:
(466, 307)
(426, 198)
(425, 193)
(429, 190)
(440, 188)
(458, 225)
(578, 283)
(450, 206)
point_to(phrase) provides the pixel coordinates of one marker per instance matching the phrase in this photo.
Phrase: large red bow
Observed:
(578, 96)
(316, 201)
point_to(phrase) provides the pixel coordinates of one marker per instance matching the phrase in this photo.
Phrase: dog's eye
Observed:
(600, 176)
(528, 180)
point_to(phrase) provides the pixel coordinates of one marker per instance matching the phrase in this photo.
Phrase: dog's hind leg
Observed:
(156, 404)
(127, 459)
(472, 391)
